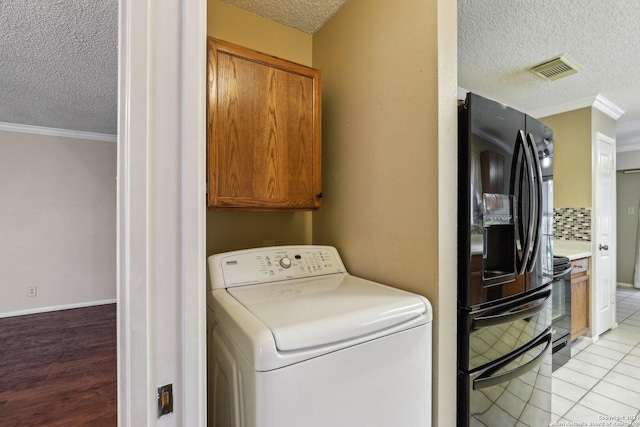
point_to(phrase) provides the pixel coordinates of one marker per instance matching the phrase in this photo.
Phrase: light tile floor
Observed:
(600, 385)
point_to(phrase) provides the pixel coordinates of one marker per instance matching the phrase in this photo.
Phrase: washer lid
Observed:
(329, 309)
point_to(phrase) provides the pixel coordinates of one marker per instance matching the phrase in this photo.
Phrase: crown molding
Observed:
(64, 133)
(598, 102)
(609, 108)
(563, 108)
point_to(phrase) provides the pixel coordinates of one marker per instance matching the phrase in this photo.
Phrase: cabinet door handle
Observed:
(603, 247)
(319, 195)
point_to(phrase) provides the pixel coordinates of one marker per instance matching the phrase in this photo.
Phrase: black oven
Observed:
(561, 312)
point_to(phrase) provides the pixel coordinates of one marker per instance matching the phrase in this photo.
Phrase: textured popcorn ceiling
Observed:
(499, 39)
(58, 64)
(58, 58)
(304, 15)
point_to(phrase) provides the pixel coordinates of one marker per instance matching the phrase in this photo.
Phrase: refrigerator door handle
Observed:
(507, 315)
(532, 210)
(517, 183)
(536, 210)
(487, 379)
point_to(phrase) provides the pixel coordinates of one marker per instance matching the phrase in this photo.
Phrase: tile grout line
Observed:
(608, 371)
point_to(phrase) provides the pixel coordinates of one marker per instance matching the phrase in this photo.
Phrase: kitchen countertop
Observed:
(572, 249)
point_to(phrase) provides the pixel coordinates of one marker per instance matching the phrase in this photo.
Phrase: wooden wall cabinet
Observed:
(579, 297)
(263, 131)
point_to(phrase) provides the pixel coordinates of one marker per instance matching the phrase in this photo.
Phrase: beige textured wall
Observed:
(381, 136)
(380, 141)
(572, 158)
(57, 221)
(238, 26)
(228, 231)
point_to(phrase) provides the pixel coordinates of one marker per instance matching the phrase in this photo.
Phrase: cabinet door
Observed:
(263, 131)
(579, 305)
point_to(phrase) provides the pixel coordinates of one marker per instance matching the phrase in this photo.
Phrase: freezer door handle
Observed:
(521, 309)
(487, 378)
(560, 346)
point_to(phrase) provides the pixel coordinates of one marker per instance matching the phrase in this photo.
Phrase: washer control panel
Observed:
(272, 264)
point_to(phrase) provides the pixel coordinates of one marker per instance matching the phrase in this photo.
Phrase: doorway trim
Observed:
(161, 211)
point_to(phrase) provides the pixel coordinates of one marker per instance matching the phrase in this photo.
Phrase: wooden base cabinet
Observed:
(263, 131)
(579, 297)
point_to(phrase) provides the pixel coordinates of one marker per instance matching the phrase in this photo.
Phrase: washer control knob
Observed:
(285, 262)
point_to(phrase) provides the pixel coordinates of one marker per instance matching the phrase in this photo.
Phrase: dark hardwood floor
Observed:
(59, 369)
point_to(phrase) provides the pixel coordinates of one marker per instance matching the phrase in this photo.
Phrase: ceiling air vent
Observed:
(555, 68)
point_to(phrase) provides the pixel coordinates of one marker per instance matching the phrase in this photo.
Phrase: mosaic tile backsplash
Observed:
(572, 224)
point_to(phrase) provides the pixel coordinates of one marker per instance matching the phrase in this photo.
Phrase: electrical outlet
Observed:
(32, 291)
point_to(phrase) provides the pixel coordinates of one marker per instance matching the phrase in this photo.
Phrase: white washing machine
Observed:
(294, 340)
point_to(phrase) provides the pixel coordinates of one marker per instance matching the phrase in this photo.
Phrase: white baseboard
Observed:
(57, 308)
(624, 285)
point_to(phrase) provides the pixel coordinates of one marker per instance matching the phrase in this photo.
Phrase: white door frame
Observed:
(595, 327)
(161, 210)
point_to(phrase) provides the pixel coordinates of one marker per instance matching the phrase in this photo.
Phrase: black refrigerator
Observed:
(505, 266)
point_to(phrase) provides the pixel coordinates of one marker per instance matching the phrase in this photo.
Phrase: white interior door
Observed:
(604, 240)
